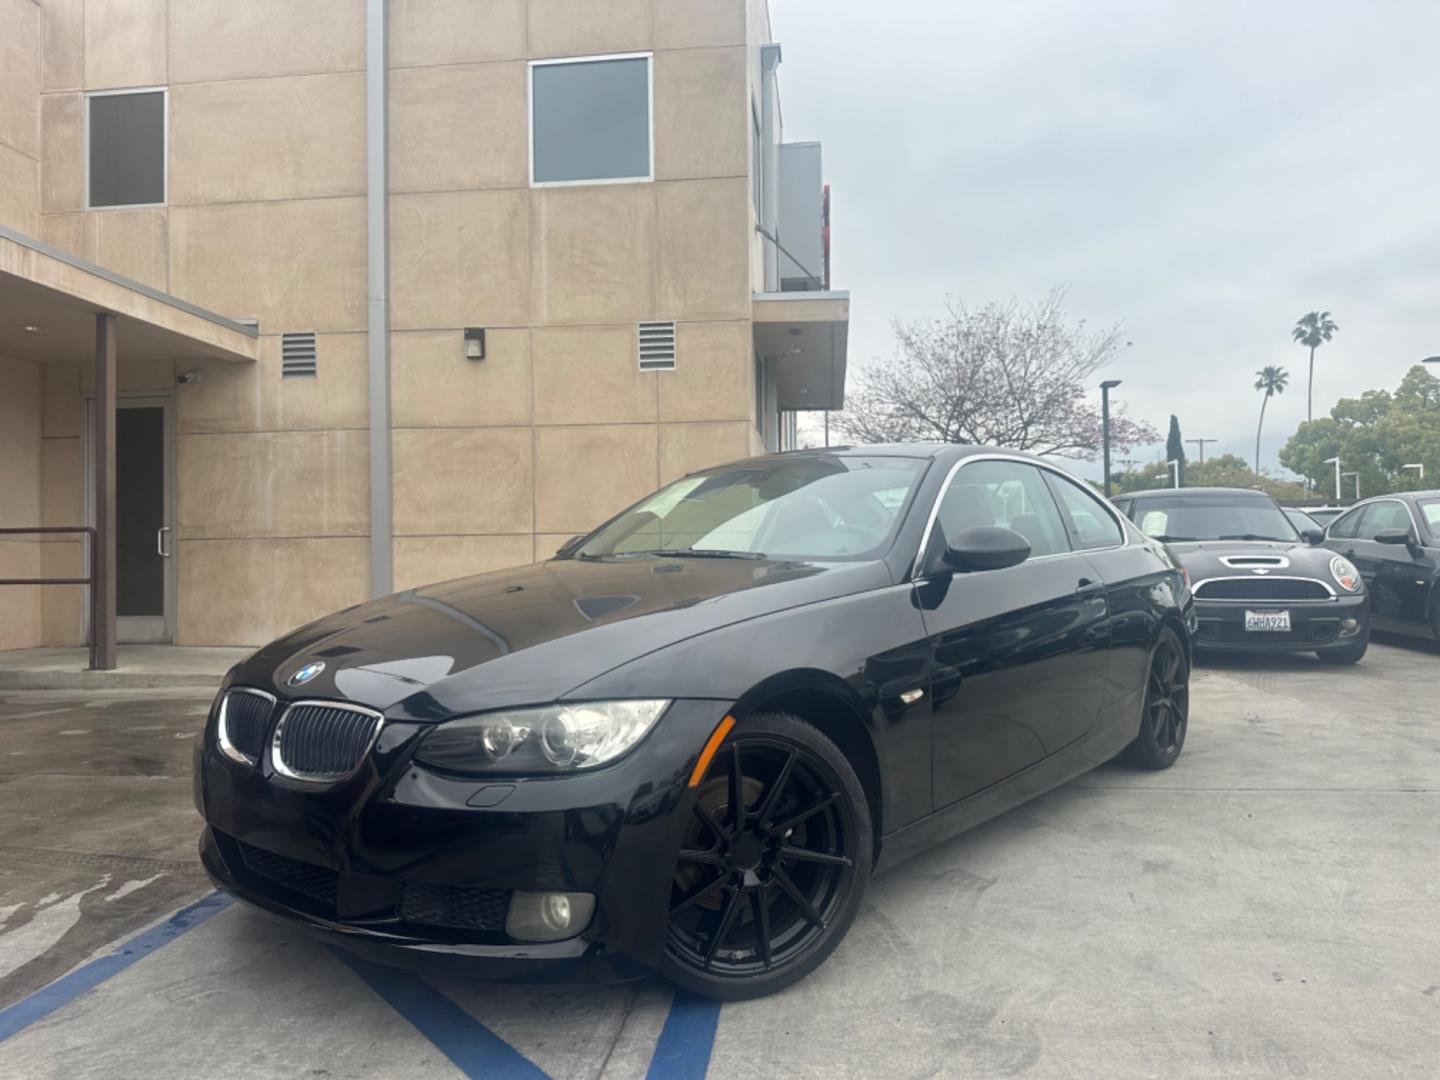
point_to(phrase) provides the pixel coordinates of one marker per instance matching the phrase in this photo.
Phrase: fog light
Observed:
(548, 916)
(1349, 626)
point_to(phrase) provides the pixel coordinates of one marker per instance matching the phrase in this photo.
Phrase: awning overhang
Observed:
(805, 334)
(59, 295)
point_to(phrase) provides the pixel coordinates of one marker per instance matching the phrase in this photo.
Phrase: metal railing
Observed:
(88, 581)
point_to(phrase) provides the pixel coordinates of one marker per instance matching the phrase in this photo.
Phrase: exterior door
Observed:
(1385, 568)
(1019, 656)
(144, 538)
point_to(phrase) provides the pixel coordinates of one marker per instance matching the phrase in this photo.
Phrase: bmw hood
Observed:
(1206, 559)
(531, 634)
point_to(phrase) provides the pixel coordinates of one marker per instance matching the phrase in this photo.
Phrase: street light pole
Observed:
(1174, 464)
(1105, 388)
(1201, 443)
(1356, 475)
(1336, 462)
(1419, 466)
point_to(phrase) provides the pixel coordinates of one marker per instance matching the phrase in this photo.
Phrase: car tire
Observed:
(1165, 716)
(1353, 655)
(799, 794)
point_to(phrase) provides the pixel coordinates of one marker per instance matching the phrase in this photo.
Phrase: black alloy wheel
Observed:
(773, 863)
(1167, 705)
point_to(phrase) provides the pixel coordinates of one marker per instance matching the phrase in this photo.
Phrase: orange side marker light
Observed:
(712, 744)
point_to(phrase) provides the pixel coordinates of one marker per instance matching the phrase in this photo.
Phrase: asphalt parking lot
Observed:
(1269, 907)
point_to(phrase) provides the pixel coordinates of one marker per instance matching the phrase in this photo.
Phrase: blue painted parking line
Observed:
(88, 976)
(473, 1048)
(683, 1052)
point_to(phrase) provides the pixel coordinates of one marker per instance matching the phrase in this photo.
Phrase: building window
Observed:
(125, 148)
(757, 164)
(590, 120)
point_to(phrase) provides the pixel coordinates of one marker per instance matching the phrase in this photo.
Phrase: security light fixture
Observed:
(475, 343)
(32, 329)
(188, 377)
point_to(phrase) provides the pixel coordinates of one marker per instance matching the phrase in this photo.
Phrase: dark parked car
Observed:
(1394, 540)
(1258, 583)
(685, 742)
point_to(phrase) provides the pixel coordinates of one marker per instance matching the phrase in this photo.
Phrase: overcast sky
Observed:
(1204, 173)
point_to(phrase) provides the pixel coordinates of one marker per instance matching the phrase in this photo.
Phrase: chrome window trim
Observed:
(917, 564)
(222, 734)
(1197, 586)
(1361, 507)
(278, 764)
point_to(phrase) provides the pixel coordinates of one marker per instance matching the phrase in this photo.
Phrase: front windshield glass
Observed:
(1220, 515)
(819, 507)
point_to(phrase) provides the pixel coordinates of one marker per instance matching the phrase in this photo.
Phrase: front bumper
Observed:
(1314, 626)
(347, 861)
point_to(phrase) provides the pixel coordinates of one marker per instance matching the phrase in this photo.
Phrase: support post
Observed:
(377, 236)
(102, 607)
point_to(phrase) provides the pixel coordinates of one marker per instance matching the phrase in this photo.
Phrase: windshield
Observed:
(795, 508)
(1219, 516)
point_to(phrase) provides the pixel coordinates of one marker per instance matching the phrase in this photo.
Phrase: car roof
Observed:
(936, 450)
(1155, 493)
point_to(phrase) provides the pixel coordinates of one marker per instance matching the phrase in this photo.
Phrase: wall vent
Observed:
(297, 354)
(657, 346)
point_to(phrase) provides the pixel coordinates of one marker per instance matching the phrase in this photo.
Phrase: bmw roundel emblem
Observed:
(306, 673)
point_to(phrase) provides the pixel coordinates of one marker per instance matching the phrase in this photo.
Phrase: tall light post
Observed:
(1336, 462)
(1174, 464)
(1419, 467)
(1201, 443)
(1105, 388)
(1356, 475)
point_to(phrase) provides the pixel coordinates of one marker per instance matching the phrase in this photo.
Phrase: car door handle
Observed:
(160, 541)
(1086, 587)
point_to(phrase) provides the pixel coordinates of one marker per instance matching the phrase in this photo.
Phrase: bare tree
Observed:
(1010, 375)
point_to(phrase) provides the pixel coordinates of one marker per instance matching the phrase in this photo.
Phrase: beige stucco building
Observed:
(402, 290)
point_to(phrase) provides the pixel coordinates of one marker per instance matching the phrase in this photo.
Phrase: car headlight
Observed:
(549, 739)
(1345, 574)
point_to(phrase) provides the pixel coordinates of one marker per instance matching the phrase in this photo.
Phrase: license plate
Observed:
(1267, 621)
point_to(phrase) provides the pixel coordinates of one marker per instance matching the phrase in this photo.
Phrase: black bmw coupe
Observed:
(1259, 584)
(685, 742)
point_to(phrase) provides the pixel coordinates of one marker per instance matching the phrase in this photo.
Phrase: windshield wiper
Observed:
(693, 553)
(1252, 536)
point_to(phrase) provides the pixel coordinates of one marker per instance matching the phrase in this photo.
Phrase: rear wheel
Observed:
(773, 863)
(1167, 706)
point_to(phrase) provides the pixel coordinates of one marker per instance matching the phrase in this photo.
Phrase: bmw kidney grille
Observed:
(322, 741)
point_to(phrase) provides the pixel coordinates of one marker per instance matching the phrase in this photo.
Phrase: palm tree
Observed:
(1313, 330)
(1272, 380)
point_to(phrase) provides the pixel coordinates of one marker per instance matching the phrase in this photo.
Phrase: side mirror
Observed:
(1397, 537)
(985, 547)
(1313, 537)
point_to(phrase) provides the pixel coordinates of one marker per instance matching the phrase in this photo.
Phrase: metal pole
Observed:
(1105, 432)
(1174, 464)
(102, 606)
(1201, 443)
(377, 244)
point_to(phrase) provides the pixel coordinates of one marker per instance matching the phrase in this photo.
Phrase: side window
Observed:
(1385, 515)
(1347, 526)
(1093, 526)
(1010, 494)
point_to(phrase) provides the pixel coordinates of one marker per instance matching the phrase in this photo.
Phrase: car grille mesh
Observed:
(1261, 588)
(321, 742)
(459, 908)
(304, 878)
(247, 718)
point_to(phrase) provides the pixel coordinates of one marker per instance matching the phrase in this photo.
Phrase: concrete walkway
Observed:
(137, 667)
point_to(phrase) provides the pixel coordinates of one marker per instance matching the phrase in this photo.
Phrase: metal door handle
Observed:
(160, 541)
